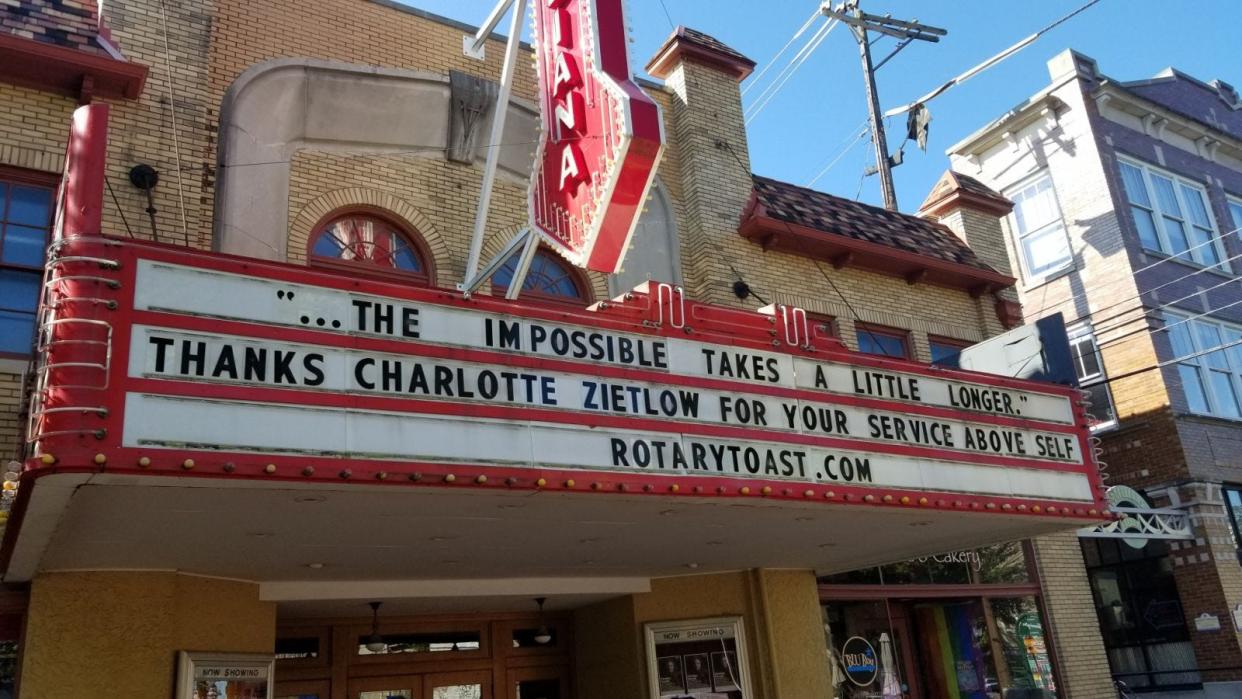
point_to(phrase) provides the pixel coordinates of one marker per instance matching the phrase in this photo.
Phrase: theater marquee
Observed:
(277, 371)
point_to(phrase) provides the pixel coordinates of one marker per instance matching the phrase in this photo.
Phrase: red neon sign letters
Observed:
(602, 135)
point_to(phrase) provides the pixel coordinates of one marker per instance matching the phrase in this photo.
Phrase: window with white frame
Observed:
(1172, 214)
(1090, 371)
(1043, 245)
(1211, 381)
(1235, 210)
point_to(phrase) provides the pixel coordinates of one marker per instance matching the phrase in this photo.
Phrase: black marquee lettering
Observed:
(409, 322)
(161, 348)
(360, 377)
(313, 364)
(283, 369)
(226, 363)
(197, 356)
(255, 364)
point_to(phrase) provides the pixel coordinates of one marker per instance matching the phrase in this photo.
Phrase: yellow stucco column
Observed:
(118, 633)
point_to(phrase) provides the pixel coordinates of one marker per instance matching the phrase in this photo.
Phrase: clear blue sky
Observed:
(803, 127)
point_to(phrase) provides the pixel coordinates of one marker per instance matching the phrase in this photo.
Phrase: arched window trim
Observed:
(585, 290)
(425, 278)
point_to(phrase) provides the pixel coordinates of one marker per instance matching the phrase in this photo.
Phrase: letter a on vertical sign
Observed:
(602, 135)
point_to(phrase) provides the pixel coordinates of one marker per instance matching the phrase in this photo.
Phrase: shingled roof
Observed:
(833, 215)
(692, 44)
(707, 41)
(63, 46)
(954, 189)
(68, 23)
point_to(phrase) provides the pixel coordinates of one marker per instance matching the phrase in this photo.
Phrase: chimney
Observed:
(706, 125)
(973, 211)
(1071, 62)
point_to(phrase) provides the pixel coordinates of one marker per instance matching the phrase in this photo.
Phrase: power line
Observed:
(119, 210)
(172, 113)
(791, 65)
(668, 16)
(796, 62)
(846, 146)
(801, 30)
(963, 77)
(1144, 293)
(1165, 328)
(1135, 273)
(1114, 326)
(1167, 362)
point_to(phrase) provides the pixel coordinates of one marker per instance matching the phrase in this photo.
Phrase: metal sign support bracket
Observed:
(473, 46)
(527, 242)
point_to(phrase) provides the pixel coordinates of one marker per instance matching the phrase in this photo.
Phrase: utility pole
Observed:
(860, 23)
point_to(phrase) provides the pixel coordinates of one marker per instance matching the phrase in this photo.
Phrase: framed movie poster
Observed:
(224, 675)
(697, 659)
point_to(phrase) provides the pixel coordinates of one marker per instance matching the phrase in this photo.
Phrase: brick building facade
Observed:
(270, 122)
(1127, 223)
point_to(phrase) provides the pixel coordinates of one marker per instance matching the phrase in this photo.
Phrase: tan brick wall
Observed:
(142, 131)
(1070, 609)
(10, 418)
(33, 132)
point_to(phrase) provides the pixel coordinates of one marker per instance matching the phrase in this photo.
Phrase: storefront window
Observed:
(1025, 662)
(1140, 614)
(8, 669)
(1001, 563)
(968, 648)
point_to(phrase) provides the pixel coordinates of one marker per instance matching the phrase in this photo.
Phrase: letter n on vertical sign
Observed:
(602, 135)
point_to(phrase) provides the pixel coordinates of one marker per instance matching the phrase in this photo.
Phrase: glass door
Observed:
(476, 684)
(538, 683)
(392, 687)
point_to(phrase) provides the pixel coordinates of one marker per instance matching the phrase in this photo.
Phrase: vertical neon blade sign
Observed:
(602, 135)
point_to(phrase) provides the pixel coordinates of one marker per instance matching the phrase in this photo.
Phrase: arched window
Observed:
(549, 279)
(365, 242)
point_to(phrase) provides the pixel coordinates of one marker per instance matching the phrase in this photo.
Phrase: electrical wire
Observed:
(772, 61)
(789, 65)
(963, 77)
(668, 16)
(172, 113)
(1141, 294)
(1210, 241)
(798, 61)
(1164, 328)
(1156, 309)
(1167, 362)
(116, 202)
(353, 154)
(845, 147)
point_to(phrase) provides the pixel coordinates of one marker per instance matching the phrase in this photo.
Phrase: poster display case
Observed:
(697, 659)
(224, 675)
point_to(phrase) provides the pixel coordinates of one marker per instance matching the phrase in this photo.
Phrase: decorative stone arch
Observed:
(597, 284)
(392, 206)
(278, 107)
